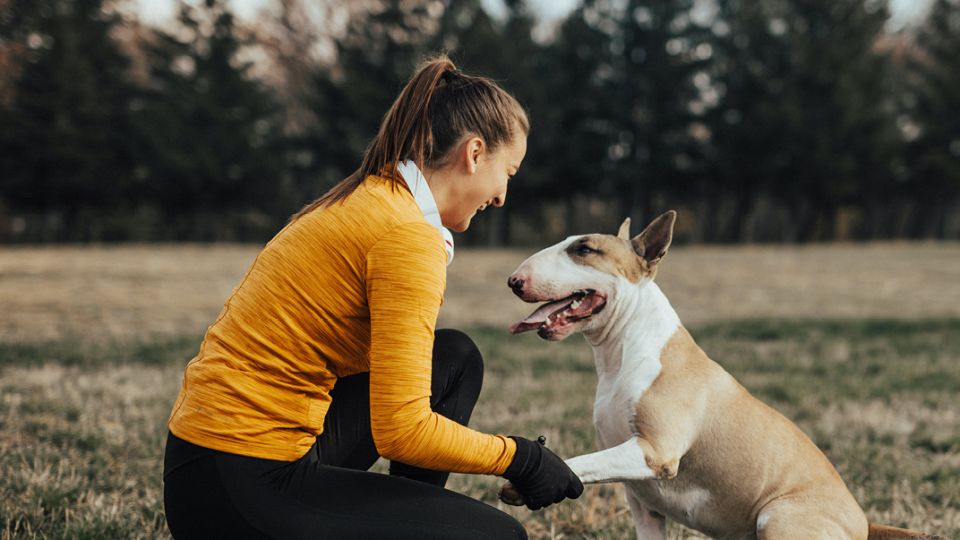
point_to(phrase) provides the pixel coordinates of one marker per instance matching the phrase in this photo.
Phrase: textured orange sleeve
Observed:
(406, 275)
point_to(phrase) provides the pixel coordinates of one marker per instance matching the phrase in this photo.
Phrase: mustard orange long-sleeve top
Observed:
(349, 288)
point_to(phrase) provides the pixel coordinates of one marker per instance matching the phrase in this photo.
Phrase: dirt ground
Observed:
(124, 292)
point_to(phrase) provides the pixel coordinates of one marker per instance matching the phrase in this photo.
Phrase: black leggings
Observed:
(327, 493)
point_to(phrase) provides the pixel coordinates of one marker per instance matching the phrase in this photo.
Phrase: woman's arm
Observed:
(405, 281)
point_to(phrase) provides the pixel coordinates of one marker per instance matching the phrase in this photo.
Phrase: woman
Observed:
(325, 356)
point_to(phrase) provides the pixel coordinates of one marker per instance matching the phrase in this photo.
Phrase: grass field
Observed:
(869, 368)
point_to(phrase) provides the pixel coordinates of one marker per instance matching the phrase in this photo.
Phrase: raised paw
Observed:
(510, 495)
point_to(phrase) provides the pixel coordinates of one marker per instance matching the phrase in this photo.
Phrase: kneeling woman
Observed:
(325, 356)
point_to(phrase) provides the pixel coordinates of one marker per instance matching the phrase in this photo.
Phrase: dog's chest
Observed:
(611, 415)
(614, 407)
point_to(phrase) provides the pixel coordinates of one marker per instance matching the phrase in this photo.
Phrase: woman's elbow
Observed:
(391, 444)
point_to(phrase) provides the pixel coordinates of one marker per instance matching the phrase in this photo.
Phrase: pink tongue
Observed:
(537, 318)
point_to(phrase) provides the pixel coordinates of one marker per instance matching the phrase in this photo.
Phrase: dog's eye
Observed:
(585, 250)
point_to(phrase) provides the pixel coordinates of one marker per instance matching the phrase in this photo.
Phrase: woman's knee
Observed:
(457, 350)
(511, 528)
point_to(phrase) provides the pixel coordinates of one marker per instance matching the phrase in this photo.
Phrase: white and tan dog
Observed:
(686, 439)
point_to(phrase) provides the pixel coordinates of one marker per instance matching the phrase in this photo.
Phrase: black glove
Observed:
(540, 476)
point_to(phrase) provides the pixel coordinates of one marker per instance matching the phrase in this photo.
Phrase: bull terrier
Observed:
(685, 438)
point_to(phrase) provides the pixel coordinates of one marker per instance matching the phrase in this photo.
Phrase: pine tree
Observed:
(576, 129)
(374, 59)
(750, 65)
(623, 74)
(659, 50)
(211, 133)
(65, 149)
(932, 125)
(524, 70)
(806, 116)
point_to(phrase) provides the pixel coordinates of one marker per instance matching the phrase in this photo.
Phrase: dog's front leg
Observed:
(650, 525)
(622, 463)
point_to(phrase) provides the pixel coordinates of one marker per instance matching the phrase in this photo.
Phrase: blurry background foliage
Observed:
(761, 120)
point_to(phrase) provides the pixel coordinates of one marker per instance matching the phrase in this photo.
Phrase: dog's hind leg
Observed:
(795, 522)
(624, 462)
(649, 524)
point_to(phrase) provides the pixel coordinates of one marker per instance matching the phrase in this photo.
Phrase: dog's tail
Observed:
(882, 532)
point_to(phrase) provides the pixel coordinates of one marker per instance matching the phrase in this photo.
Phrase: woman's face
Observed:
(484, 181)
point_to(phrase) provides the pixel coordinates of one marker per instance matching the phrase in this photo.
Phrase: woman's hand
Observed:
(538, 477)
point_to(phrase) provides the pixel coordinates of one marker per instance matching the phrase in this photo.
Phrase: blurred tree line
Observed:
(761, 120)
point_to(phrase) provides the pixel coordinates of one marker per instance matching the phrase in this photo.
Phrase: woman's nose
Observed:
(500, 200)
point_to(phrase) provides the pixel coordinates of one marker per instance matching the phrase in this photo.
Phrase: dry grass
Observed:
(81, 450)
(87, 378)
(80, 444)
(111, 293)
(114, 293)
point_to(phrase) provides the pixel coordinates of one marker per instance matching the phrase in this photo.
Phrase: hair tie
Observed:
(451, 74)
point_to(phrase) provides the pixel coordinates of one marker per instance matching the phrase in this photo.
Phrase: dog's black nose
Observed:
(516, 284)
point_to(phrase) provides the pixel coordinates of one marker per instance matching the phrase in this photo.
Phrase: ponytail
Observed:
(436, 109)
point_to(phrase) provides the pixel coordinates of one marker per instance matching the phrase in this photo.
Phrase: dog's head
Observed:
(578, 277)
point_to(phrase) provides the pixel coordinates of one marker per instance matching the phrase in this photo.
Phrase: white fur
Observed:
(627, 355)
(620, 463)
(557, 275)
(627, 338)
(762, 521)
(684, 503)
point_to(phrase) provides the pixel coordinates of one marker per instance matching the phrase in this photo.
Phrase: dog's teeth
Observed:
(575, 304)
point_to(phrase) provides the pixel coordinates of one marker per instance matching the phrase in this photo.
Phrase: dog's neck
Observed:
(639, 323)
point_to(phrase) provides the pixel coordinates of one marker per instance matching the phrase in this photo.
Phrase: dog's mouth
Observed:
(553, 317)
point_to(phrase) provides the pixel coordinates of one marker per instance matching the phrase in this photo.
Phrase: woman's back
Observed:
(297, 321)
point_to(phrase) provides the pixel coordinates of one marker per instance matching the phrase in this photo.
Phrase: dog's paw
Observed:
(510, 495)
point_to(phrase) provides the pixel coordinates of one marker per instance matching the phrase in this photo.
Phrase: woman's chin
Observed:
(463, 225)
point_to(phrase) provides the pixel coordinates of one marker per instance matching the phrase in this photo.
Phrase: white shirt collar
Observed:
(428, 205)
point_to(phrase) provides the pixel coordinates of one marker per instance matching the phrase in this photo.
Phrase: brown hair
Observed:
(436, 109)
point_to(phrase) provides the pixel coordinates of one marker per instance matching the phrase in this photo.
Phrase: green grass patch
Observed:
(159, 351)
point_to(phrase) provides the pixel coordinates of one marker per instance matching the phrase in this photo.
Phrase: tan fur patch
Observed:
(609, 254)
(697, 412)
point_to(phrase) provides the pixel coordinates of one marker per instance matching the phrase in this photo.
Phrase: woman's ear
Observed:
(474, 148)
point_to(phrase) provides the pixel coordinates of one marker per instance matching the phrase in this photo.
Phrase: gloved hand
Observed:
(540, 476)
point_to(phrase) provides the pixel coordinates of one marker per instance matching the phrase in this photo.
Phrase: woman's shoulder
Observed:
(378, 210)
(386, 199)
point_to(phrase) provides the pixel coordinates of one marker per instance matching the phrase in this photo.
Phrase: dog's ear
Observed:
(653, 242)
(624, 231)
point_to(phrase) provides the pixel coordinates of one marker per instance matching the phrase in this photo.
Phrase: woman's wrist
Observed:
(525, 459)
